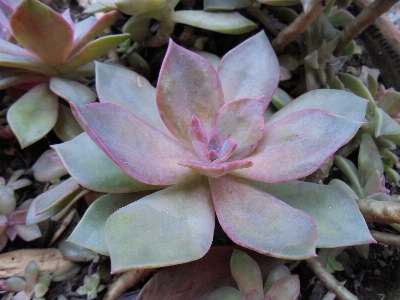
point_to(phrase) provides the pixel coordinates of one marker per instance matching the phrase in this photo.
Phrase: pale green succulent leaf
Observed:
(33, 115)
(222, 22)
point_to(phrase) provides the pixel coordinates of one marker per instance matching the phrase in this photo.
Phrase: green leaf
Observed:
(33, 115)
(384, 124)
(93, 169)
(26, 64)
(216, 5)
(66, 127)
(390, 102)
(281, 98)
(246, 272)
(222, 22)
(226, 293)
(89, 232)
(172, 226)
(369, 159)
(339, 221)
(273, 276)
(92, 51)
(138, 28)
(351, 172)
(72, 91)
(138, 7)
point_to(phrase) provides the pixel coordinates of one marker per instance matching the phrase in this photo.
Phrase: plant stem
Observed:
(264, 19)
(386, 238)
(365, 18)
(291, 32)
(329, 280)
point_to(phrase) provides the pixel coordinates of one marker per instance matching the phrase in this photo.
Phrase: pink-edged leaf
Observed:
(247, 274)
(42, 31)
(142, 151)
(243, 75)
(297, 145)
(9, 78)
(243, 121)
(28, 233)
(12, 49)
(188, 85)
(89, 29)
(172, 226)
(287, 288)
(257, 220)
(83, 26)
(215, 170)
(130, 91)
(72, 91)
(227, 148)
(18, 217)
(91, 51)
(45, 169)
(199, 139)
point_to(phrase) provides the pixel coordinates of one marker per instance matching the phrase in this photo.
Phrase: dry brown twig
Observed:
(126, 281)
(329, 280)
(365, 18)
(379, 211)
(301, 23)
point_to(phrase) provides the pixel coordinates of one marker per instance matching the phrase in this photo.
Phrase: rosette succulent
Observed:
(52, 50)
(202, 133)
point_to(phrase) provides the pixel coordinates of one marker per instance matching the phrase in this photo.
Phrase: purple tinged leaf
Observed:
(92, 51)
(90, 29)
(18, 217)
(11, 78)
(199, 139)
(140, 150)
(257, 220)
(45, 169)
(11, 232)
(42, 31)
(246, 273)
(33, 115)
(5, 13)
(136, 234)
(28, 233)
(283, 153)
(390, 102)
(72, 91)
(227, 148)
(287, 288)
(66, 14)
(243, 121)
(29, 64)
(12, 49)
(243, 75)
(130, 91)
(215, 170)
(188, 85)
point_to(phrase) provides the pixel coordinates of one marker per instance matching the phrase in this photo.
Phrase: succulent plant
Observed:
(52, 51)
(206, 146)
(13, 218)
(32, 287)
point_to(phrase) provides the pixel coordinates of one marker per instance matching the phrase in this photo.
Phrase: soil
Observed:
(376, 277)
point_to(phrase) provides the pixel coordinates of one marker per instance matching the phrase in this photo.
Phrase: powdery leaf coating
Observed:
(283, 153)
(188, 85)
(247, 213)
(48, 35)
(72, 91)
(184, 209)
(142, 151)
(327, 205)
(94, 170)
(243, 75)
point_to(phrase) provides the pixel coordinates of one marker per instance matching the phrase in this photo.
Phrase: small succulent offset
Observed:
(13, 219)
(91, 286)
(280, 284)
(205, 137)
(32, 287)
(52, 50)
